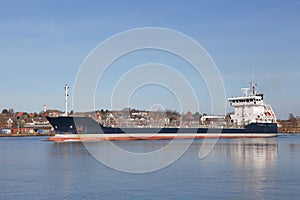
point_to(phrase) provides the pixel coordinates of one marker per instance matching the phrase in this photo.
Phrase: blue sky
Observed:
(43, 43)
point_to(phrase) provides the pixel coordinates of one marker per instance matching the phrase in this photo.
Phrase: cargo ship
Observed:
(251, 118)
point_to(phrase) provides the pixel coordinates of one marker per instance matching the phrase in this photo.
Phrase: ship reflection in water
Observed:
(252, 153)
(249, 164)
(244, 154)
(257, 153)
(234, 166)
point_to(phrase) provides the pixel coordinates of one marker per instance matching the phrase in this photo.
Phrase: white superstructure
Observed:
(250, 108)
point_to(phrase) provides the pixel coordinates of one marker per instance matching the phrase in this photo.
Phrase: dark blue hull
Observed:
(86, 125)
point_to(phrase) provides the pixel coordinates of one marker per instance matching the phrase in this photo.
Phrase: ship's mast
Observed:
(252, 85)
(66, 99)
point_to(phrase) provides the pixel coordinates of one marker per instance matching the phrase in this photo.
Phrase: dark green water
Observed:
(32, 168)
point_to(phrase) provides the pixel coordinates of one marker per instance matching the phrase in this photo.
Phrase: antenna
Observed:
(252, 84)
(66, 99)
(253, 68)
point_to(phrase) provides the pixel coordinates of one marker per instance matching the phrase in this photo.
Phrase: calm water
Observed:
(32, 168)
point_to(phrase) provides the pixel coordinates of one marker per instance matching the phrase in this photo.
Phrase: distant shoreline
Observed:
(289, 129)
